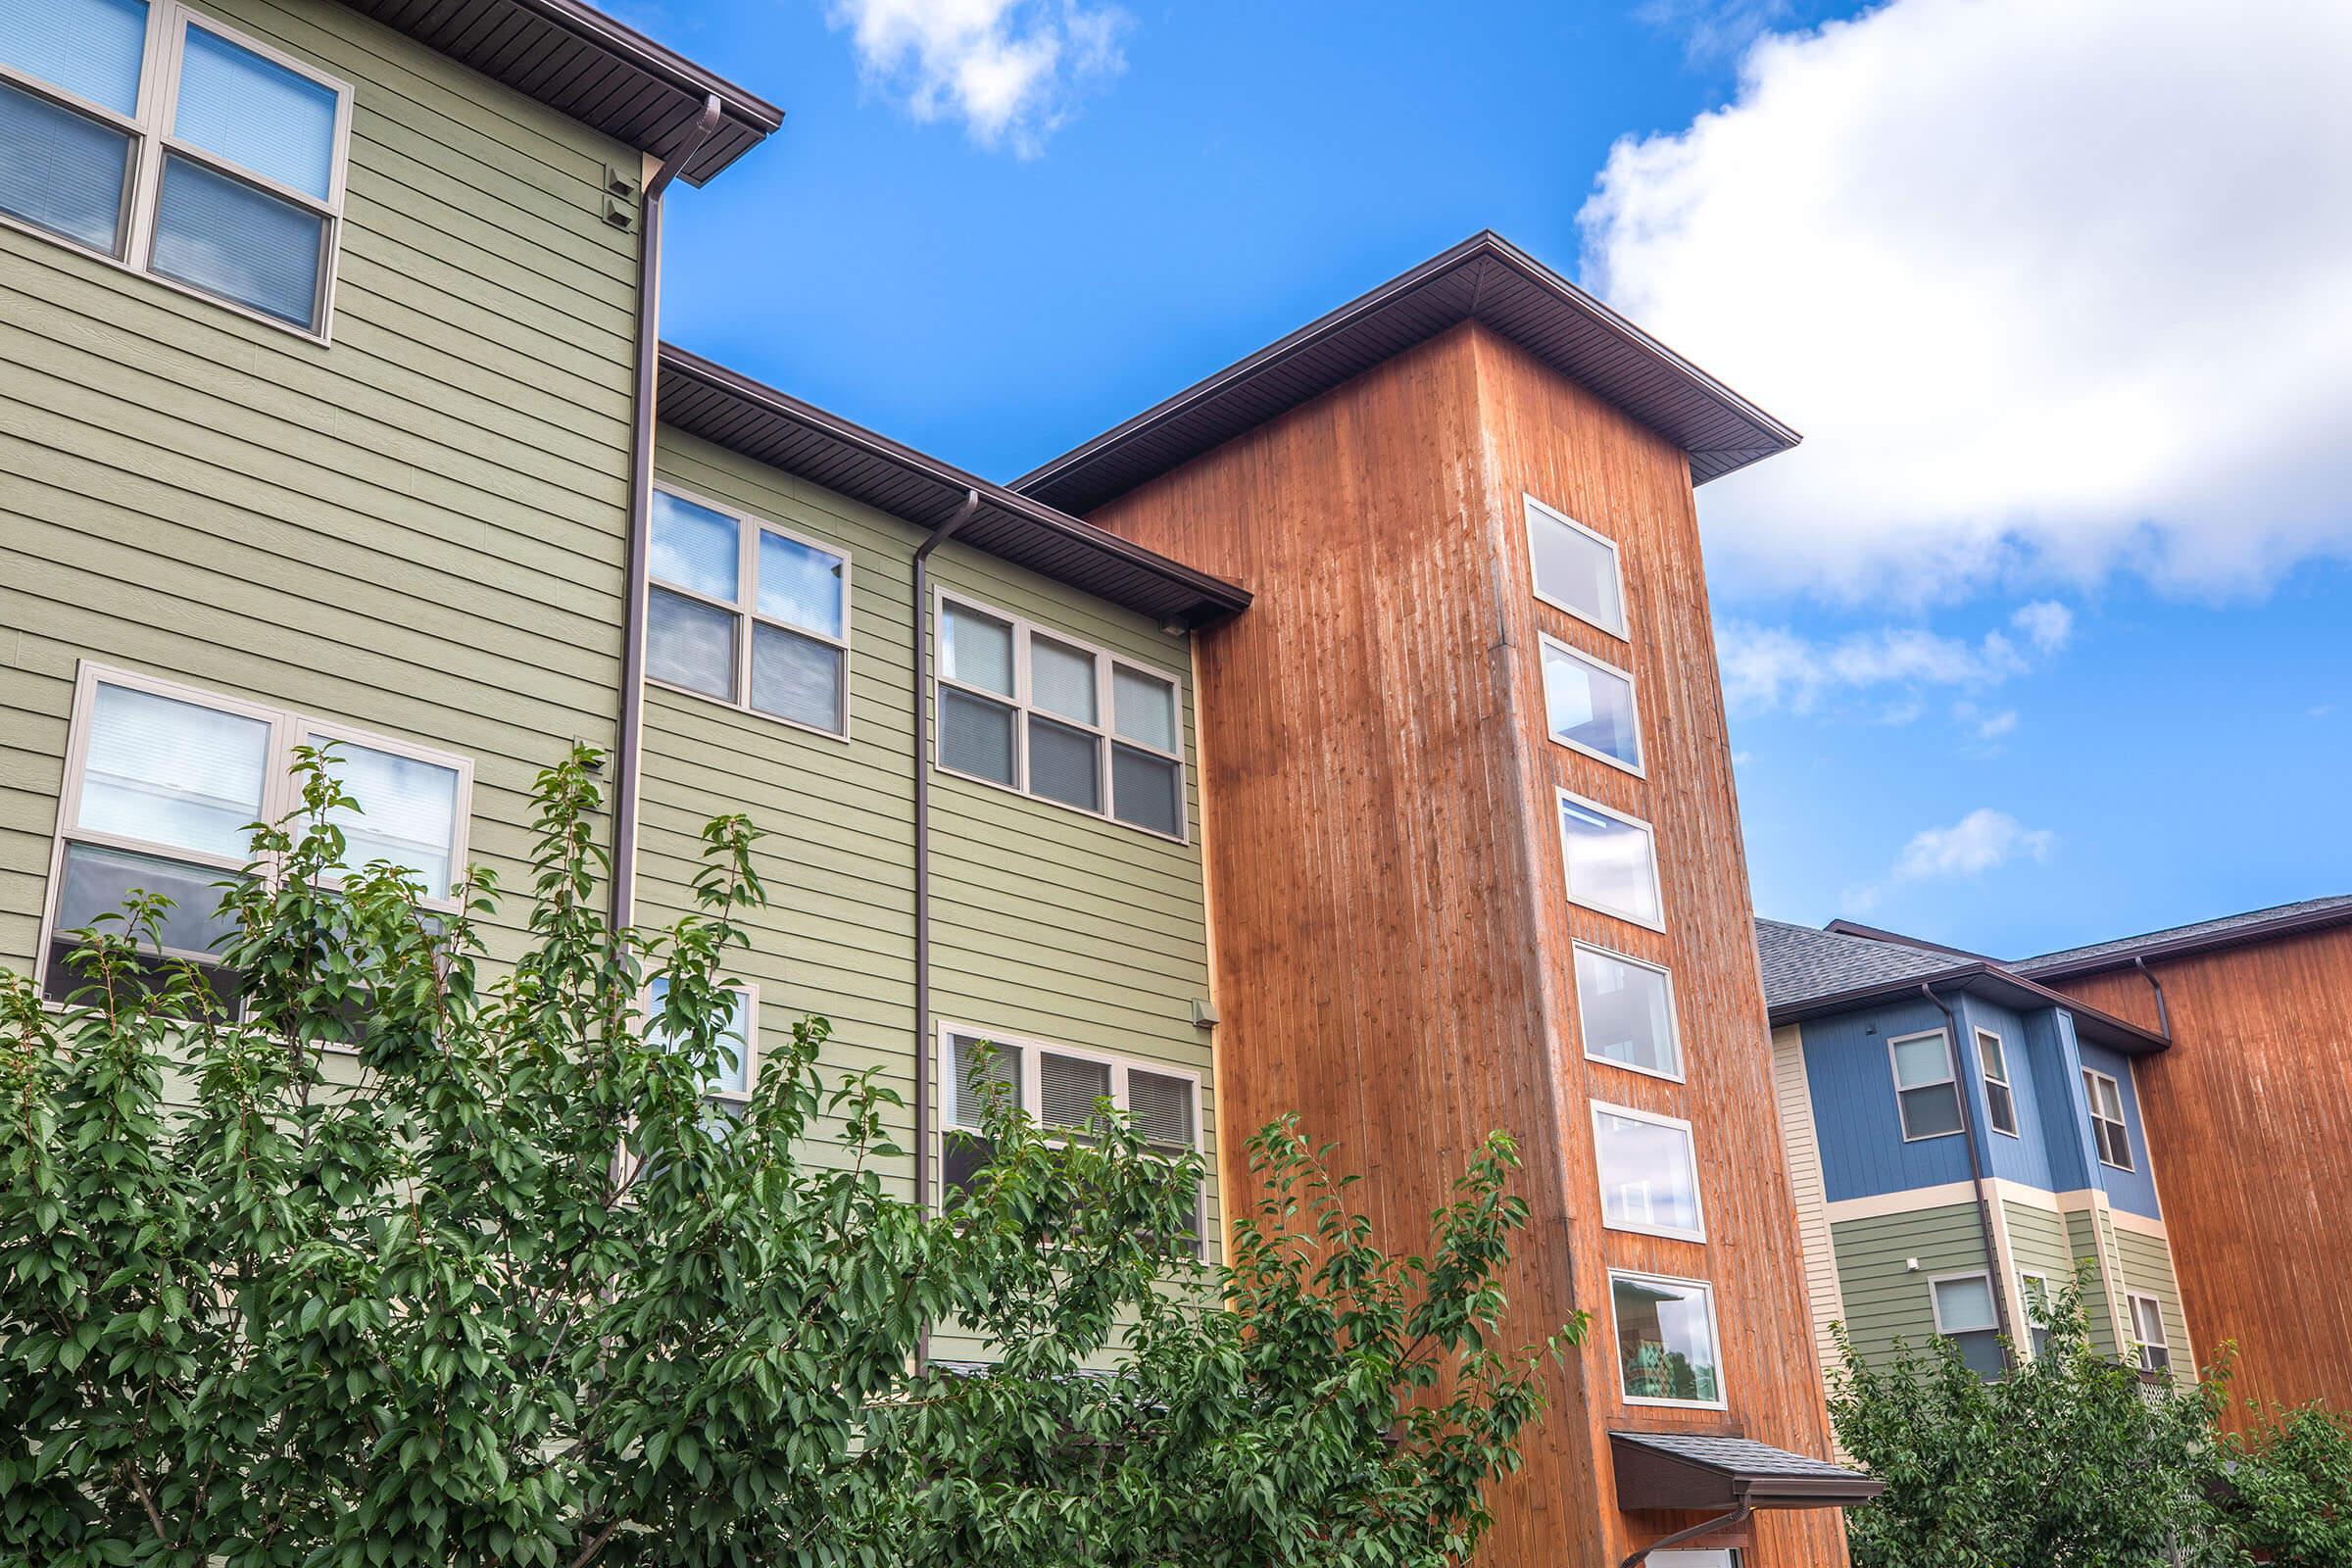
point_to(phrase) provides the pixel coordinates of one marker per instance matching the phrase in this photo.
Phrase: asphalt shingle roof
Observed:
(2070, 956)
(1802, 962)
(1740, 1457)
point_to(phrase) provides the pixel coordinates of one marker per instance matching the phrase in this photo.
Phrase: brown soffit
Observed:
(601, 72)
(1691, 1471)
(732, 411)
(1996, 983)
(1485, 278)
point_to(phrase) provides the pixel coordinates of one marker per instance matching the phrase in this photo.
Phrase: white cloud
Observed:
(1980, 842)
(1766, 668)
(2045, 624)
(2052, 289)
(1714, 29)
(1009, 70)
(1986, 726)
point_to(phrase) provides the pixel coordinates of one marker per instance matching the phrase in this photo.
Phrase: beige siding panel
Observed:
(1802, 1148)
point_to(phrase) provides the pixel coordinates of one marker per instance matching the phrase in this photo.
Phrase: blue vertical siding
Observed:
(2026, 1157)
(1852, 1082)
(2134, 1190)
(2058, 1090)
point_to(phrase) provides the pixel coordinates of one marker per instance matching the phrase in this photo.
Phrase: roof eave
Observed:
(2100, 1026)
(2309, 920)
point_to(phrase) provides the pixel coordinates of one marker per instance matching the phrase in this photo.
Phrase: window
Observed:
(2000, 1101)
(2107, 1125)
(162, 783)
(1648, 1173)
(1666, 1339)
(1712, 1557)
(1061, 1090)
(1924, 1094)
(1611, 860)
(747, 614)
(1575, 569)
(1964, 1315)
(2041, 1301)
(730, 1083)
(160, 139)
(1626, 1008)
(1050, 716)
(2147, 1331)
(1590, 706)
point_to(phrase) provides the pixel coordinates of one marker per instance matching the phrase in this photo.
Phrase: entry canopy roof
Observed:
(1688, 1471)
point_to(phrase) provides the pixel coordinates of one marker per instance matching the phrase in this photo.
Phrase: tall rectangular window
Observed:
(1925, 1095)
(1590, 706)
(1575, 569)
(1666, 1339)
(2041, 1301)
(221, 168)
(1648, 1173)
(2147, 1332)
(737, 1068)
(1965, 1315)
(2001, 1098)
(1031, 709)
(1611, 862)
(1626, 1010)
(2107, 1125)
(747, 613)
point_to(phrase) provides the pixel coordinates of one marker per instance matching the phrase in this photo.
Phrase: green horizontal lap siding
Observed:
(2148, 1262)
(1884, 1299)
(2102, 1302)
(417, 529)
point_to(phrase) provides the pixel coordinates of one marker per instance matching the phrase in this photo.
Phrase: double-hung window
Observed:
(2147, 1331)
(1626, 1010)
(1648, 1173)
(748, 613)
(1963, 1314)
(1611, 862)
(2107, 1126)
(1926, 1096)
(1666, 1339)
(163, 782)
(2001, 1098)
(157, 137)
(1588, 706)
(737, 1068)
(1033, 710)
(1575, 569)
(2040, 1301)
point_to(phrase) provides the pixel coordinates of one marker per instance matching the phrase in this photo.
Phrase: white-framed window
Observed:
(1697, 1558)
(149, 134)
(738, 1068)
(1028, 708)
(2108, 1129)
(2039, 1297)
(1611, 862)
(2001, 1098)
(1588, 706)
(163, 782)
(748, 613)
(1666, 1339)
(1963, 1314)
(2147, 1332)
(1648, 1168)
(1575, 569)
(1625, 1008)
(1061, 1089)
(1927, 1095)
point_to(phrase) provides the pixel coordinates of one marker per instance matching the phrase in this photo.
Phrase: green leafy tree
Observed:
(2287, 1486)
(402, 1258)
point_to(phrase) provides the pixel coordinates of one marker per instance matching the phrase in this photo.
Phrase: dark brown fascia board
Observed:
(2123, 958)
(1659, 1480)
(2104, 1028)
(1774, 435)
(1855, 928)
(1222, 599)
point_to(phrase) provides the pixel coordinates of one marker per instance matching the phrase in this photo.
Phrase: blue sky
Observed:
(2006, 640)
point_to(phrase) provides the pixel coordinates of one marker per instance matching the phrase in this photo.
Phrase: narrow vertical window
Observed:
(1926, 1098)
(1575, 569)
(731, 1077)
(2041, 1301)
(2001, 1098)
(2107, 1125)
(2147, 1331)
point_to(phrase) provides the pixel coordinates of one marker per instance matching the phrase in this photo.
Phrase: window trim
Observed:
(1549, 644)
(1657, 872)
(753, 1056)
(1674, 1016)
(1951, 1068)
(2132, 1301)
(1624, 632)
(749, 525)
(2003, 1082)
(2035, 1333)
(2121, 1122)
(149, 126)
(1935, 1301)
(1105, 729)
(1706, 1288)
(1699, 1208)
(287, 728)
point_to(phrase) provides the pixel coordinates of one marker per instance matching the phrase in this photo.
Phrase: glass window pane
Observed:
(1610, 864)
(1062, 680)
(91, 48)
(975, 736)
(799, 584)
(172, 772)
(1143, 707)
(255, 114)
(96, 880)
(1626, 1012)
(1997, 1060)
(732, 1074)
(1648, 1177)
(1063, 764)
(1963, 1305)
(1930, 1112)
(690, 644)
(229, 238)
(1574, 568)
(796, 677)
(983, 1068)
(1590, 706)
(1146, 791)
(1920, 1061)
(977, 650)
(1665, 1340)
(694, 548)
(408, 811)
(1067, 1087)
(61, 170)
(1162, 1107)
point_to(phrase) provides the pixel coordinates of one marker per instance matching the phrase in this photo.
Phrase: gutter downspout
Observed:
(922, 870)
(1975, 1171)
(641, 505)
(1737, 1516)
(2164, 1019)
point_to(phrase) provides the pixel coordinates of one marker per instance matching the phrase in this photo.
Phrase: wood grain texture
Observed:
(2251, 1118)
(1393, 938)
